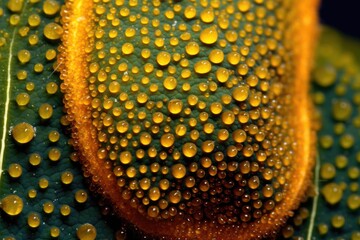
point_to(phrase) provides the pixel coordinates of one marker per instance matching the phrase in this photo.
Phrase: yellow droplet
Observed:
(33, 39)
(127, 48)
(243, 69)
(34, 20)
(81, 196)
(239, 136)
(65, 210)
(33, 220)
(192, 48)
(327, 171)
(175, 196)
(338, 221)
(353, 202)
(51, 7)
(50, 54)
(23, 132)
(24, 56)
(341, 161)
(287, 231)
(153, 211)
(43, 183)
(154, 193)
(323, 228)
(209, 35)
(145, 139)
(222, 74)
(86, 232)
(21, 74)
(30, 86)
(189, 150)
(241, 93)
(325, 76)
(347, 141)
(15, 170)
(15, 5)
(125, 157)
(54, 136)
(114, 87)
(178, 171)
(23, 31)
(12, 205)
(170, 83)
(332, 193)
(54, 154)
(216, 56)
(53, 31)
(2, 39)
(38, 68)
(244, 5)
(353, 173)
(67, 177)
(35, 159)
(341, 110)
(167, 140)
(355, 235)
(207, 15)
(45, 111)
(326, 141)
(14, 19)
(261, 72)
(48, 207)
(163, 58)
(228, 117)
(190, 12)
(51, 88)
(130, 32)
(202, 67)
(54, 232)
(22, 99)
(175, 106)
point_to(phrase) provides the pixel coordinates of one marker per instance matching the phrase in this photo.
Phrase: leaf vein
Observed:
(316, 198)
(7, 99)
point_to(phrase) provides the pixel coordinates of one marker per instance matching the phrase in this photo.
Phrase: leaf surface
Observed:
(25, 29)
(334, 53)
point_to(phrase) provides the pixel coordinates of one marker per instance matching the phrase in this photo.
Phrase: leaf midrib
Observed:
(315, 199)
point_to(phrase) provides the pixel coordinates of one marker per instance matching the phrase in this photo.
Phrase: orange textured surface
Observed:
(78, 42)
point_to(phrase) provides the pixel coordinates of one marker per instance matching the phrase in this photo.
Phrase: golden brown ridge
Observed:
(76, 59)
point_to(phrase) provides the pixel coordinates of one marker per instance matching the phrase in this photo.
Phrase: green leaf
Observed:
(337, 56)
(336, 79)
(41, 87)
(336, 93)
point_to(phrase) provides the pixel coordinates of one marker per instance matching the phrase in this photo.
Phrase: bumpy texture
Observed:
(200, 112)
(336, 94)
(42, 192)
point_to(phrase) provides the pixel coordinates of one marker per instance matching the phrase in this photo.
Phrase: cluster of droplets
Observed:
(37, 143)
(339, 126)
(191, 113)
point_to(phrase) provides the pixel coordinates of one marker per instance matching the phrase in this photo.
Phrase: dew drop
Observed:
(24, 56)
(22, 99)
(51, 7)
(15, 170)
(86, 232)
(33, 220)
(23, 133)
(53, 31)
(12, 205)
(332, 192)
(209, 35)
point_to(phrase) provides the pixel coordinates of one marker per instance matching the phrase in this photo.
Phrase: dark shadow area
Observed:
(343, 15)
